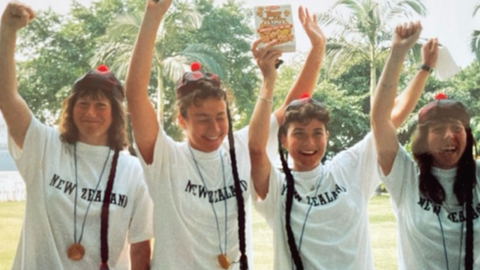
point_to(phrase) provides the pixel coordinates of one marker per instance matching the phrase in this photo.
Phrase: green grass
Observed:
(11, 218)
(382, 232)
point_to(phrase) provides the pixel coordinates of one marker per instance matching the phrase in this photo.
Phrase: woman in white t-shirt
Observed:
(318, 212)
(87, 202)
(435, 195)
(200, 187)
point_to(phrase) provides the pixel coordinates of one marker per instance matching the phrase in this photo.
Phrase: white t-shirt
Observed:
(186, 233)
(420, 240)
(336, 234)
(48, 169)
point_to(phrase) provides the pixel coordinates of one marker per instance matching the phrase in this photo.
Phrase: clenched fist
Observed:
(16, 16)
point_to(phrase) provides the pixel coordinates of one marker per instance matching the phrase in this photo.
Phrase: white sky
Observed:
(448, 20)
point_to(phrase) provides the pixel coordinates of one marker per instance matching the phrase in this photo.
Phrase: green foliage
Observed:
(363, 29)
(224, 29)
(348, 123)
(55, 52)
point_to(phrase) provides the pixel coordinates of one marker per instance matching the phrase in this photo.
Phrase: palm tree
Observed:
(168, 63)
(475, 41)
(362, 29)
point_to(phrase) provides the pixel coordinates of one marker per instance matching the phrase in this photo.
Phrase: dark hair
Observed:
(117, 133)
(465, 179)
(193, 89)
(302, 111)
(203, 90)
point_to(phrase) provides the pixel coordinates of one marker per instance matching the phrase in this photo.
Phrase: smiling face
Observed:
(206, 124)
(306, 143)
(93, 117)
(446, 143)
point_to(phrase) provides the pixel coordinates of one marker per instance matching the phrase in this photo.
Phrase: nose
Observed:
(448, 133)
(214, 126)
(309, 140)
(90, 111)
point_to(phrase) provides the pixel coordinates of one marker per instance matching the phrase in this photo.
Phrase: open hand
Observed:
(309, 24)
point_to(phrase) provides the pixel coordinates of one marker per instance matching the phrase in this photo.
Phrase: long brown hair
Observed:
(117, 133)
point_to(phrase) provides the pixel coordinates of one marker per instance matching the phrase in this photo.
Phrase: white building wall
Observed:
(12, 187)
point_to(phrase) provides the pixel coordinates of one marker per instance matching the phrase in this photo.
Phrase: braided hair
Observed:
(302, 111)
(192, 89)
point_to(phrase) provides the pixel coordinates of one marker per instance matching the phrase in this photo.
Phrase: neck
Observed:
(97, 141)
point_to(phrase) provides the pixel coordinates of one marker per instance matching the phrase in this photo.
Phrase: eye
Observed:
(457, 129)
(298, 133)
(82, 103)
(437, 129)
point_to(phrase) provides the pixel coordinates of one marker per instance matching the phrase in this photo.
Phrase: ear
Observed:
(181, 121)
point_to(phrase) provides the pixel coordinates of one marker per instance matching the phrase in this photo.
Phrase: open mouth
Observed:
(449, 149)
(212, 138)
(308, 152)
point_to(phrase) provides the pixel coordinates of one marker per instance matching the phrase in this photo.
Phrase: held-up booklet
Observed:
(275, 22)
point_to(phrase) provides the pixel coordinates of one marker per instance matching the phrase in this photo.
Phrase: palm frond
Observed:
(174, 67)
(475, 43)
(475, 10)
(211, 60)
(124, 25)
(404, 9)
(184, 17)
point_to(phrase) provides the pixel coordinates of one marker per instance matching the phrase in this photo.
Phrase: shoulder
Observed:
(125, 159)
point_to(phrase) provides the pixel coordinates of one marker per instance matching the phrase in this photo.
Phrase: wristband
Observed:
(426, 68)
(269, 101)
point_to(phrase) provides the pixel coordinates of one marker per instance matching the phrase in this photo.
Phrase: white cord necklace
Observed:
(222, 257)
(443, 239)
(76, 251)
(318, 184)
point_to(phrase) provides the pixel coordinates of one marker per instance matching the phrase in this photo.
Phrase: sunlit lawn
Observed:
(382, 230)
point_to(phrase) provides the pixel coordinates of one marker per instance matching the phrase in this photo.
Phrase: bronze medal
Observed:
(75, 252)
(223, 261)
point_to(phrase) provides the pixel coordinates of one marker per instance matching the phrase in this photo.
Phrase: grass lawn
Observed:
(382, 231)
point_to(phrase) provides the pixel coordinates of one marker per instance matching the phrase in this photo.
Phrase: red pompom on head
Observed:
(440, 95)
(194, 66)
(304, 95)
(102, 68)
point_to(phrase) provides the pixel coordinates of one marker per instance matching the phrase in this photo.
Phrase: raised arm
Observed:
(384, 131)
(260, 120)
(14, 108)
(406, 101)
(307, 78)
(142, 113)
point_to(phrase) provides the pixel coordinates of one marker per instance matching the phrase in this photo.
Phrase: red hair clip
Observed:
(188, 83)
(100, 78)
(440, 95)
